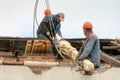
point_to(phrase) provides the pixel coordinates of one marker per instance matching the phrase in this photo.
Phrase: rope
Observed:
(35, 17)
(52, 34)
(47, 4)
(49, 19)
(50, 23)
(35, 12)
(34, 20)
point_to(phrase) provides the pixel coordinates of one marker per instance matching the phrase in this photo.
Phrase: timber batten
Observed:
(37, 47)
(110, 60)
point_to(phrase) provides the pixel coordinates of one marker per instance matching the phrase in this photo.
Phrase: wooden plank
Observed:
(39, 47)
(110, 60)
(4, 45)
(116, 42)
(1, 60)
(116, 57)
(1, 49)
(13, 63)
(47, 46)
(111, 47)
(43, 64)
(43, 46)
(28, 46)
(5, 54)
(33, 46)
(11, 46)
(37, 42)
(47, 49)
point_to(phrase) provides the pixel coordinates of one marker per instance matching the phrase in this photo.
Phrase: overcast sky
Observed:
(16, 17)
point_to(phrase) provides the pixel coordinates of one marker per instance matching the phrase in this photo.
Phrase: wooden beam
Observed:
(117, 43)
(13, 63)
(110, 60)
(111, 47)
(116, 57)
(28, 46)
(11, 46)
(41, 64)
(1, 49)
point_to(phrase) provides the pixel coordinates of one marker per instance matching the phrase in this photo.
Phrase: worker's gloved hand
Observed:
(48, 33)
(53, 38)
(57, 37)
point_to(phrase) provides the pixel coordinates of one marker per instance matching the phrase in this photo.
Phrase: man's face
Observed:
(84, 30)
(57, 18)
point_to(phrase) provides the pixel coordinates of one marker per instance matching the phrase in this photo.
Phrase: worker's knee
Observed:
(53, 49)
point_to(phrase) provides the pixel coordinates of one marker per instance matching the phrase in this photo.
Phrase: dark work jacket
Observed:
(48, 24)
(90, 50)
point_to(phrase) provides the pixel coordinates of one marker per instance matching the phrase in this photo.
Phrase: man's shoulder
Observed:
(93, 35)
(45, 19)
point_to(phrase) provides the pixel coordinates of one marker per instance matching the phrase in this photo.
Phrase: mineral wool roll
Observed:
(66, 47)
(88, 65)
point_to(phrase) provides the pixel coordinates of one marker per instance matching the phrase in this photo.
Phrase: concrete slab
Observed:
(66, 73)
(16, 73)
(55, 73)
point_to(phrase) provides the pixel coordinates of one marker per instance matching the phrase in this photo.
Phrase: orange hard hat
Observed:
(87, 25)
(47, 12)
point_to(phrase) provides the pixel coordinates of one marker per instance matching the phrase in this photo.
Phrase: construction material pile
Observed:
(37, 46)
(116, 42)
(66, 48)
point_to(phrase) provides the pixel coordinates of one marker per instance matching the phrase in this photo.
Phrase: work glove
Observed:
(48, 33)
(57, 37)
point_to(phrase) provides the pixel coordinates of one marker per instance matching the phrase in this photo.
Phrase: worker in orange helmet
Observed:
(49, 27)
(91, 46)
(47, 12)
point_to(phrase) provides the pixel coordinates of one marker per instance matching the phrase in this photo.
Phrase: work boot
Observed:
(88, 73)
(96, 67)
(53, 49)
(59, 56)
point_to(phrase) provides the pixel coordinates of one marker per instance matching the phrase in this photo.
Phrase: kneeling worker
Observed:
(91, 47)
